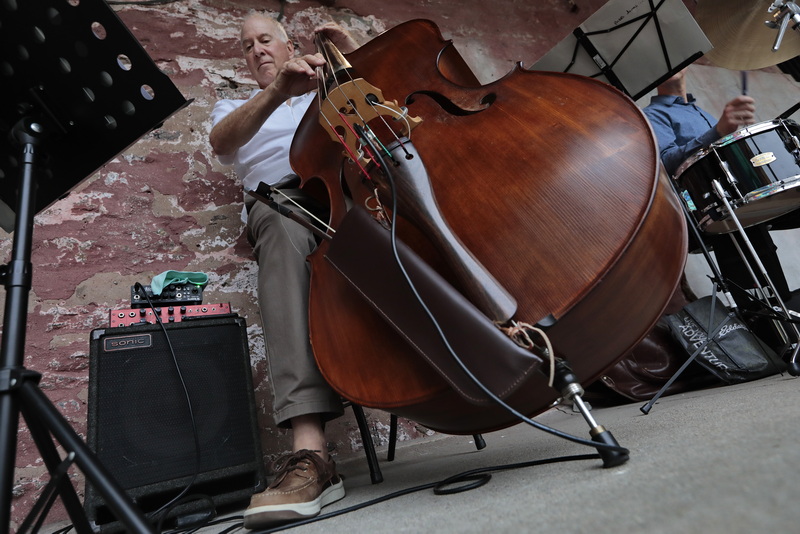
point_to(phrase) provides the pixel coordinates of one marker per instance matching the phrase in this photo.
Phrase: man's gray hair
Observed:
(267, 15)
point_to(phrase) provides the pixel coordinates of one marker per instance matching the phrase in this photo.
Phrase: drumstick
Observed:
(744, 82)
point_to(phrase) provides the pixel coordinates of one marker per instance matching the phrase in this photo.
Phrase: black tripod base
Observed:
(610, 458)
(793, 368)
(611, 453)
(48, 426)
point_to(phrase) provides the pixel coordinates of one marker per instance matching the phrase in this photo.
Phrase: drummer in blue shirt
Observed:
(682, 128)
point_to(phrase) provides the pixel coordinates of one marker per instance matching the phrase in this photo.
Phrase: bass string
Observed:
(374, 106)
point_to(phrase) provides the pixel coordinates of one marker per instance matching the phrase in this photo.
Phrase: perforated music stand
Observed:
(633, 45)
(78, 90)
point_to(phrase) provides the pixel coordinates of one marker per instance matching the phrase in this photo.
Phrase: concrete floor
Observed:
(721, 460)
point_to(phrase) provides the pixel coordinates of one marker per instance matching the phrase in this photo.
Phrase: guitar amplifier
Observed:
(140, 425)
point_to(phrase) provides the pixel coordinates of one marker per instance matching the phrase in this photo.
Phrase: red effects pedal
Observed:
(168, 314)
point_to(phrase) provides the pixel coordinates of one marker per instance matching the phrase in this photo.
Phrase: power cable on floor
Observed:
(469, 480)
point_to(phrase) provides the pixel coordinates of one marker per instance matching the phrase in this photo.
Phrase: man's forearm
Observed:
(241, 124)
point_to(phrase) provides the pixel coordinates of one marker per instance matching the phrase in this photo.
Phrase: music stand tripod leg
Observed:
(647, 407)
(18, 394)
(59, 479)
(718, 284)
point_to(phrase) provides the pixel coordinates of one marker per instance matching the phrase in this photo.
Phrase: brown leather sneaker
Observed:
(304, 483)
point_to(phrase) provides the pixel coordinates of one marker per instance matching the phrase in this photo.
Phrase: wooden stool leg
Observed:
(369, 447)
(392, 437)
(480, 443)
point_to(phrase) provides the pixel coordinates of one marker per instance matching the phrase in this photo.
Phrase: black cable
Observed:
(166, 508)
(390, 178)
(480, 474)
(220, 521)
(479, 479)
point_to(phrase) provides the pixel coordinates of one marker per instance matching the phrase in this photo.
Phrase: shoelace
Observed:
(300, 460)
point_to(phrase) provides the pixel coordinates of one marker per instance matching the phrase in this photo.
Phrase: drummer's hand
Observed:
(738, 112)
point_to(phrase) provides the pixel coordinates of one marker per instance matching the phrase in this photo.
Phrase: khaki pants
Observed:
(281, 247)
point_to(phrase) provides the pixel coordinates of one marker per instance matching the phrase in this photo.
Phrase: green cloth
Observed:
(160, 281)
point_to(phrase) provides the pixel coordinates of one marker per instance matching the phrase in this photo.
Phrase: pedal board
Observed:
(172, 295)
(168, 314)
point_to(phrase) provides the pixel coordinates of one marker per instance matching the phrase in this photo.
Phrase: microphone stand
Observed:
(783, 12)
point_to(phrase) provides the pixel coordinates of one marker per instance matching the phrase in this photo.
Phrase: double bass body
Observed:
(552, 181)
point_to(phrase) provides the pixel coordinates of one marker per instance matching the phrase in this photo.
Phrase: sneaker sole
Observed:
(262, 516)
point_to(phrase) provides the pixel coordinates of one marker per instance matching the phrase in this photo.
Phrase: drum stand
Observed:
(719, 284)
(793, 365)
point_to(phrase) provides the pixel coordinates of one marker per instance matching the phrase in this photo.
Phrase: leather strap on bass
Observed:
(361, 251)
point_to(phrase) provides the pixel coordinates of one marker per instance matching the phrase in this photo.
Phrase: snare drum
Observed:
(758, 168)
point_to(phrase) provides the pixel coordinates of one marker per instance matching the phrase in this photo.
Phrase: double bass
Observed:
(537, 199)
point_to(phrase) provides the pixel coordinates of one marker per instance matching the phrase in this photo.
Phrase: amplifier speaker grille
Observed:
(138, 416)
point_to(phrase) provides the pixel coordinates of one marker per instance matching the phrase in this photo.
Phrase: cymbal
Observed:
(741, 39)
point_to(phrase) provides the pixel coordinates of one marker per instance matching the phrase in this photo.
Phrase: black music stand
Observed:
(633, 45)
(79, 90)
